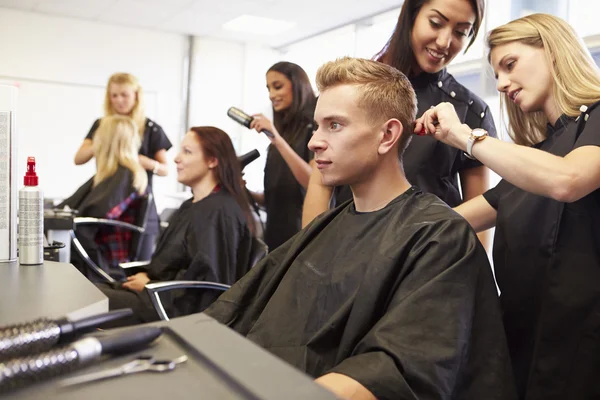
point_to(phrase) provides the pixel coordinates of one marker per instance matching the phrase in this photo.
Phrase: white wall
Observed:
(61, 66)
(226, 74)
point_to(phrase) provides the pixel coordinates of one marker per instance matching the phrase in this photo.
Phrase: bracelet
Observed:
(156, 167)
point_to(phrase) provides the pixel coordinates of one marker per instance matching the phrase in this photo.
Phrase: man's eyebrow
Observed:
(448, 19)
(334, 118)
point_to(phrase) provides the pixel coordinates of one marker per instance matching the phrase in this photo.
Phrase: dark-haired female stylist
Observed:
(287, 170)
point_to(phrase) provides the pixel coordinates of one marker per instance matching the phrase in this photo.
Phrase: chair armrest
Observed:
(172, 285)
(155, 288)
(103, 221)
(134, 264)
(134, 267)
(87, 260)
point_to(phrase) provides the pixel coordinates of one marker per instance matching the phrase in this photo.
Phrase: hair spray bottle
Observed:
(31, 219)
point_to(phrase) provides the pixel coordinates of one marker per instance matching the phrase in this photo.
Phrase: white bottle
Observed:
(31, 219)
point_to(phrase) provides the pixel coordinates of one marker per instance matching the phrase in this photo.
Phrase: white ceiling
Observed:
(205, 17)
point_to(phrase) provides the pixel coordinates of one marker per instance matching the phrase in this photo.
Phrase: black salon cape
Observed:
(206, 241)
(96, 202)
(401, 300)
(153, 141)
(429, 164)
(284, 196)
(547, 263)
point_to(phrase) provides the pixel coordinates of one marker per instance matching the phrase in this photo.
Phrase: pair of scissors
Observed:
(140, 364)
(423, 131)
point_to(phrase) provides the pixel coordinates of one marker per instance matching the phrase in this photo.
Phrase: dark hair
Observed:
(216, 143)
(398, 51)
(293, 121)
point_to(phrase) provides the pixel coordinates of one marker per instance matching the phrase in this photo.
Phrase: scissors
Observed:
(423, 131)
(141, 364)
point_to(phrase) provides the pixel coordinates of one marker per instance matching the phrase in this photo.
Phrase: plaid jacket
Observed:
(113, 242)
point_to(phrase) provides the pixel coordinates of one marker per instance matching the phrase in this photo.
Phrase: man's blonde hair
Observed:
(576, 78)
(384, 92)
(115, 143)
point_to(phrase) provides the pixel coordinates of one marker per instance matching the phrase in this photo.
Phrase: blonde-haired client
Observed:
(115, 192)
(124, 96)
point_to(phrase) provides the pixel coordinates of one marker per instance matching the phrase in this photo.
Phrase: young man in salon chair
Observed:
(388, 296)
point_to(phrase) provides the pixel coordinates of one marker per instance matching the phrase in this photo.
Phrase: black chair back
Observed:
(258, 250)
(141, 220)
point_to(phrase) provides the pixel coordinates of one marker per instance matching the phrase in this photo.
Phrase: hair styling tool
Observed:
(247, 158)
(42, 334)
(26, 370)
(242, 118)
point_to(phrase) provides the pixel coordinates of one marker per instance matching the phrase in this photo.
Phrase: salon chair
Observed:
(258, 250)
(142, 213)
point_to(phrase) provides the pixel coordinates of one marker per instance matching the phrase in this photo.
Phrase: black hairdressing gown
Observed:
(547, 263)
(96, 202)
(401, 299)
(205, 241)
(153, 141)
(429, 164)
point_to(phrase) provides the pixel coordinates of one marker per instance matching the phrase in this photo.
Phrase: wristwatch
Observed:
(477, 135)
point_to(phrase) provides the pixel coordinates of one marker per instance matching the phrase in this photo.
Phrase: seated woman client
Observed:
(209, 238)
(113, 193)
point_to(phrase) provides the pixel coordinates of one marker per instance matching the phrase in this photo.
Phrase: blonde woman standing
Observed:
(124, 96)
(546, 210)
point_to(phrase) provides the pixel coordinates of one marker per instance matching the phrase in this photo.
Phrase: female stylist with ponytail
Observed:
(287, 170)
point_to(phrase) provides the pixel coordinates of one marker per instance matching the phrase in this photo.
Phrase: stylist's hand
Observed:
(261, 122)
(441, 122)
(136, 282)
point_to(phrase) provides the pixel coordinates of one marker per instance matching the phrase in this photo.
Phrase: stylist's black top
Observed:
(284, 196)
(431, 165)
(547, 264)
(154, 140)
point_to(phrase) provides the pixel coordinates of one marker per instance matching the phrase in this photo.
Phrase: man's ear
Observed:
(392, 131)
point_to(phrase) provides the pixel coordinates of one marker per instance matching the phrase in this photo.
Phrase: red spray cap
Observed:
(31, 179)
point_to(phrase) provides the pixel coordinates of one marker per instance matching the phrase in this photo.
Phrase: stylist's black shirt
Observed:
(547, 263)
(284, 196)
